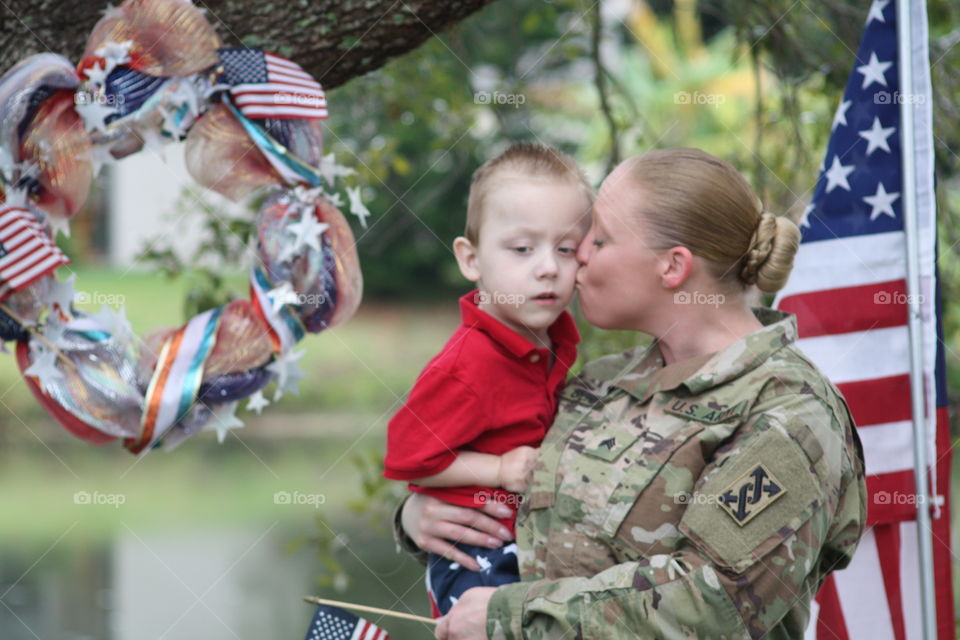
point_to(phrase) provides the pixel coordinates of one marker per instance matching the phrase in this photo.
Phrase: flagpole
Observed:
(915, 319)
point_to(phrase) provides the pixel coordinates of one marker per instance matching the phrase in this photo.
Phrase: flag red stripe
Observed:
(878, 401)
(830, 622)
(292, 82)
(888, 550)
(848, 309)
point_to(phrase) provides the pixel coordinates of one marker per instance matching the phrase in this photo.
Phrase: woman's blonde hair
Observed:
(698, 201)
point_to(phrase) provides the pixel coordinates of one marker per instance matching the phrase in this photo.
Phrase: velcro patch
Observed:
(744, 498)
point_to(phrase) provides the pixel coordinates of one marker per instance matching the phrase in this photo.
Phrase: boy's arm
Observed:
(511, 471)
(469, 468)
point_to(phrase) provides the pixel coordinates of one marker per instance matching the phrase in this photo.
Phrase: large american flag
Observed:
(265, 85)
(334, 623)
(27, 253)
(848, 290)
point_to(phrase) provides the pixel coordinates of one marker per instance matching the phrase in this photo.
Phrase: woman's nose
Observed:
(585, 249)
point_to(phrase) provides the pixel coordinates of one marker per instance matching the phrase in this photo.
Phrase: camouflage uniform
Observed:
(705, 499)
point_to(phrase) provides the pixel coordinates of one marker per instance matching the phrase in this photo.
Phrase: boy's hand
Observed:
(516, 467)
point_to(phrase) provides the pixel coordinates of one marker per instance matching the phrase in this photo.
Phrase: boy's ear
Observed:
(466, 258)
(675, 266)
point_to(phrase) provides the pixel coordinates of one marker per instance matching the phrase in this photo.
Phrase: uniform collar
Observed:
(563, 331)
(710, 370)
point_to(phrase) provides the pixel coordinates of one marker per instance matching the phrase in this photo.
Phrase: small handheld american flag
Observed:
(27, 253)
(265, 85)
(334, 623)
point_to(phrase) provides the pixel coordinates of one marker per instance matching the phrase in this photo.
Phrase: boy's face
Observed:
(525, 262)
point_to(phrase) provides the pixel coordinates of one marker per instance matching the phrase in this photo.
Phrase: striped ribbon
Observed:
(176, 378)
(285, 327)
(293, 169)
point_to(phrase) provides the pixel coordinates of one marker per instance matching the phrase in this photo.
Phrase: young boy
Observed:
(470, 427)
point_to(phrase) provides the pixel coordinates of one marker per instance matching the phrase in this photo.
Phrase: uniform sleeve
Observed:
(441, 415)
(742, 567)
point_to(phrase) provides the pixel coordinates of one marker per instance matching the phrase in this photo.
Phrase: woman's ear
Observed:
(676, 265)
(466, 258)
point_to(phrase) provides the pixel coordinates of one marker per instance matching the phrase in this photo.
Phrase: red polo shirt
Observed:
(489, 390)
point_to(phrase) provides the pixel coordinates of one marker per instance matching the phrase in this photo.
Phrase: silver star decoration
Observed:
(112, 12)
(840, 117)
(307, 231)
(837, 175)
(223, 420)
(257, 402)
(44, 367)
(110, 321)
(94, 114)
(284, 294)
(330, 170)
(59, 225)
(99, 156)
(876, 136)
(114, 53)
(881, 202)
(170, 125)
(97, 74)
(357, 207)
(873, 71)
(288, 373)
(876, 11)
(62, 293)
(335, 199)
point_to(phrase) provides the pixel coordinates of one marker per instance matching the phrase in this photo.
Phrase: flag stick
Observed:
(360, 607)
(905, 26)
(39, 336)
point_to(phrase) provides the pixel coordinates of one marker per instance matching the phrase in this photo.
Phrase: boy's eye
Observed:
(567, 250)
(522, 249)
(598, 243)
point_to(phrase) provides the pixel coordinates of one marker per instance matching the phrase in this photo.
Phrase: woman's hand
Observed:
(432, 523)
(467, 620)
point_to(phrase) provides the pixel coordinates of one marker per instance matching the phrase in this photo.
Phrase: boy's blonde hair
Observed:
(529, 159)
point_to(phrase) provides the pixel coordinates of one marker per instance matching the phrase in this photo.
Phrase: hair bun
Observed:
(769, 259)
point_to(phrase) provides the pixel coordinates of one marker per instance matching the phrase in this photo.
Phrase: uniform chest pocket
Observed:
(605, 470)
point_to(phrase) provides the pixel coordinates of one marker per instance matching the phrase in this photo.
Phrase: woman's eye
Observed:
(598, 243)
(522, 249)
(567, 250)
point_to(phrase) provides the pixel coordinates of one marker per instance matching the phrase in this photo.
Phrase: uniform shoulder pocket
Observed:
(764, 491)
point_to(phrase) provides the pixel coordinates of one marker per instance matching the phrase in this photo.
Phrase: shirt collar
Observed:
(710, 370)
(562, 332)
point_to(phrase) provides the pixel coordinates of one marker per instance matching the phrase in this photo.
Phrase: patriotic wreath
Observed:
(155, 71)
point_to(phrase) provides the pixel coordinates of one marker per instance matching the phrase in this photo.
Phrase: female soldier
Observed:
(702, 487)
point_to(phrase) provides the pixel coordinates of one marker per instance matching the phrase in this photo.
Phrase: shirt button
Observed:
(535, 357)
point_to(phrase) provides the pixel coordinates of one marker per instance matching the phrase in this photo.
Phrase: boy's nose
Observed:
(547, 267)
